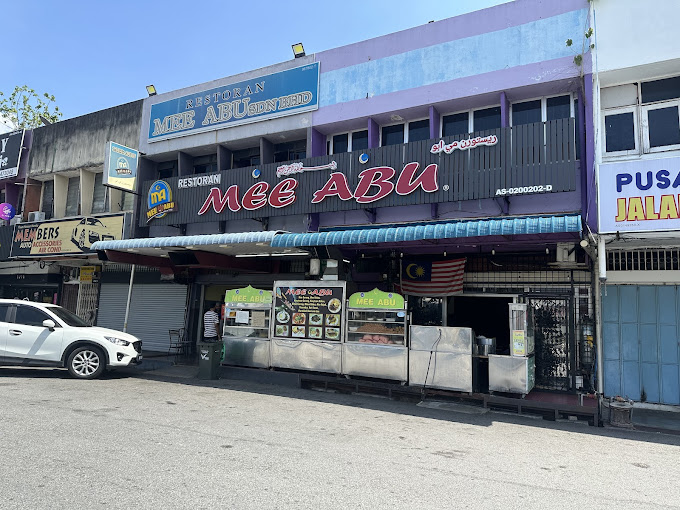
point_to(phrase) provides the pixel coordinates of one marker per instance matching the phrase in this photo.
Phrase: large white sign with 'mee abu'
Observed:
(639, 196)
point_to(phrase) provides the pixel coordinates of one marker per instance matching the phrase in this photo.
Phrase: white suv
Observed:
(37, 334)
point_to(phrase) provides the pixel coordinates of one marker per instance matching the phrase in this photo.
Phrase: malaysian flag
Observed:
(443, 278)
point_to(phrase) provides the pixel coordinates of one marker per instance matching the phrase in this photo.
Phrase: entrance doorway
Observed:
(486, 315)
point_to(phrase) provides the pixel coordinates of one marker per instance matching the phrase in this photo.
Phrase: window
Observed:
(4, 310)
(664, 128)
(527, 112)
(419, 130)
(360, 140)
(100, 198)
(29, 316)
(205, 164)
(340, 143)
(290, 151)
(246, 157)
(489, 118)
(620, 132)
(641, 117)
(558, 107)
(48, 199)
(392, 135)
(73, 196)
(456, 124)
(167, 169)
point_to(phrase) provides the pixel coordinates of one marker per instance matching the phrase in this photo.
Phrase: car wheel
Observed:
(86, 362)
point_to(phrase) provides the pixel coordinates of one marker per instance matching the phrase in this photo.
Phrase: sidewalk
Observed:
(647, 420)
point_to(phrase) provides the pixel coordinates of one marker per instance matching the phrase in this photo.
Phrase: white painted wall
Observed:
(636, 33)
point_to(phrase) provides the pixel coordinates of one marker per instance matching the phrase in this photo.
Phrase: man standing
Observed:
(211, 322)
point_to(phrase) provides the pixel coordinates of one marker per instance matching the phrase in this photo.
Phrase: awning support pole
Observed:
(129, 298)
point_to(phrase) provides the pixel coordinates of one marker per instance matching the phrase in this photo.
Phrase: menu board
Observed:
(308, 312)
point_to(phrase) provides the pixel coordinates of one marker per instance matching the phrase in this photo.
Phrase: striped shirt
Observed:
(210, 322)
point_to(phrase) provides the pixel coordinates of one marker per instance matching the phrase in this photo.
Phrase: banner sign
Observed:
(308, 310)
(422, 173)
(377, 299)
(265, 97)
(639, 196)
(65, 237)
(10, 153)
(120, 167)
(247, 295)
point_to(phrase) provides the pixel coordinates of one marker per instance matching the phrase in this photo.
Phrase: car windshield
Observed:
(71, 319)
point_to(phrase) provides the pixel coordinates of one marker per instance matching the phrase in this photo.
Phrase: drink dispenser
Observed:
(521, 330)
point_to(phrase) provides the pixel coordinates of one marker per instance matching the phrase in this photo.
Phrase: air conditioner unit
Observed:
(36, 216)
(566, 253)
(15, 220)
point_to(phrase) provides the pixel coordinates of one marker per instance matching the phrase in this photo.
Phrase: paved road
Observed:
(127, 442)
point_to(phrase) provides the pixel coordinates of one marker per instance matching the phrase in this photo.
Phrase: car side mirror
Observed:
(49, 324)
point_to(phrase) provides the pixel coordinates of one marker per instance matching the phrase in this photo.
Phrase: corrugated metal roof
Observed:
(471, 228)
(183, 241)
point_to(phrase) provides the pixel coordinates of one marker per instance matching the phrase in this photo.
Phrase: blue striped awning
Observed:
(185, 241)
(451, 230)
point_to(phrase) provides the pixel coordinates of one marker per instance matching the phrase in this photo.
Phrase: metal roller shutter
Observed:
(154, 309)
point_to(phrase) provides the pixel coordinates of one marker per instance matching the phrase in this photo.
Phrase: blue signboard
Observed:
(265, 97)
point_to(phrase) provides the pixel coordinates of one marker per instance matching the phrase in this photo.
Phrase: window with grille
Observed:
(644, 260)
(100, 198)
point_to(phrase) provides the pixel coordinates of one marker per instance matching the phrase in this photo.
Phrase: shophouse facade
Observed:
(460, 139)
(62, 207)
(637, 94)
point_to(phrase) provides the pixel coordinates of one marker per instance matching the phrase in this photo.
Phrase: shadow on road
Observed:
(455, 413)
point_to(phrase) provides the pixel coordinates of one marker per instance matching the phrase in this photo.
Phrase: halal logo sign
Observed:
(159, 201)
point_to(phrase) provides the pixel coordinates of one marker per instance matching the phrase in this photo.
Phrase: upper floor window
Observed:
(456, 124)
(486, 119)
(48, 199)
(205, 164)
(641, 117)
(73, 197)
(246, 157)
(392, 135)
(359, 140)
(289, 151)
(419, 130)
(167, 169)
(541, 110)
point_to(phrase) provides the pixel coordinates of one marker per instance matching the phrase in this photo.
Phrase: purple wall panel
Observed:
(373, 134)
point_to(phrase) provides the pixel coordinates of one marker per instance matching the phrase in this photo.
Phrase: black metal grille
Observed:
(551, 319)
(137, 346)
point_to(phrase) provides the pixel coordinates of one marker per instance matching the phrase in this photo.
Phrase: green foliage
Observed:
(24, 107)
(569, 42)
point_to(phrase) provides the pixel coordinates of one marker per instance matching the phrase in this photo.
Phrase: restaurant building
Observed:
(447, 164)
(637, 96)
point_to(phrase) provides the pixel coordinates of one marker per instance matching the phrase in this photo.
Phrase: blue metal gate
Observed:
(641, 332)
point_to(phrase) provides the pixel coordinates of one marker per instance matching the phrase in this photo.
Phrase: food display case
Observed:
(246, 327)
(308, 325)
(375, 339)
(441, 357)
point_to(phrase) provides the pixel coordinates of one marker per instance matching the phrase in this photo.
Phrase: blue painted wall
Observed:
(530, 43)
(641, 343)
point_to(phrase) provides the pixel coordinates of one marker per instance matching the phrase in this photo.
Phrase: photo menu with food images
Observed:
(308, 313)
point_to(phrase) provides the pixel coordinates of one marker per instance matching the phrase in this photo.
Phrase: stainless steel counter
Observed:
(247, 352)
(441, 357)
(306, 355)
(375, 360)
(511, 374)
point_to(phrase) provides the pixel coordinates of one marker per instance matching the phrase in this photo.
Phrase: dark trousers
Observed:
(210, 339)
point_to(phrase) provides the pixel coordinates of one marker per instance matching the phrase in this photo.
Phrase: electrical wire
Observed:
(427, 373)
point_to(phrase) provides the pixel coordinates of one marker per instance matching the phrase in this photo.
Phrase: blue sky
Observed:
(93, 55)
